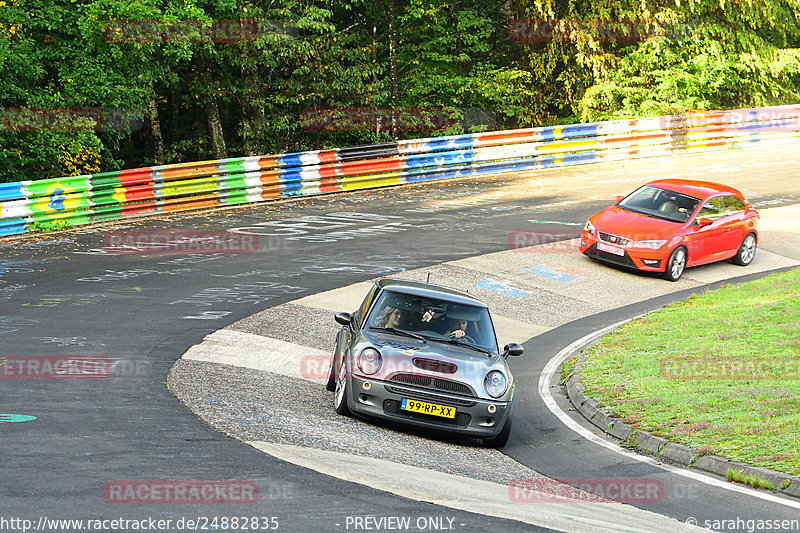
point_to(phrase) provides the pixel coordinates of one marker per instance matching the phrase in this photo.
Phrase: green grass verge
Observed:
(567, 369)
(40, 227)
(752, 480)
(719, 372)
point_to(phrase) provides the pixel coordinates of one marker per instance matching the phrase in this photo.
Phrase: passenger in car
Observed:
(391, 317)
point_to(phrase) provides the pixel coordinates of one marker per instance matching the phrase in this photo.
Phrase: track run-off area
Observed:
(217, 359)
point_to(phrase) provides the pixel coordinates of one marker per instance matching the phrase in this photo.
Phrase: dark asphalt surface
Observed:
(143, 312)
(62, 295)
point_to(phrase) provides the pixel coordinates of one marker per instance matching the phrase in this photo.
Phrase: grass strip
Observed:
(719, 372)
(751, 480)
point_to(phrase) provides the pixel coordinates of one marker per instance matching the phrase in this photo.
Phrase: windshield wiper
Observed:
(464, 343)
(403, 332)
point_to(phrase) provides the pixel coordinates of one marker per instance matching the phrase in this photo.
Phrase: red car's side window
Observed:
(713, 209)
(733, 205)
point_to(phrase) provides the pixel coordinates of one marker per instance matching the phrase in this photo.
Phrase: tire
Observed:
(747, 250)
(340, 391)
(502, 438)
(330, 386)
(676, 264)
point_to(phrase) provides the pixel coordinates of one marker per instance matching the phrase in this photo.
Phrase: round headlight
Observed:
(495, 384)
(369, 361)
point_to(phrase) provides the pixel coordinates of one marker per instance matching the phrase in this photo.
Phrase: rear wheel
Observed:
(340, 393)
(676, 264)
(747, 250)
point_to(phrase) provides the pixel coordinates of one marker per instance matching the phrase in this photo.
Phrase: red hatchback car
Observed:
(668, 225)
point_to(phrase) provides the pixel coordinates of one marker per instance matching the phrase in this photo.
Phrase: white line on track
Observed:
(544, 391)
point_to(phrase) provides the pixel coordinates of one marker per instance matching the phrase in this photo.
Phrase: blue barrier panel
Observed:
(12, 226)
(12, 191)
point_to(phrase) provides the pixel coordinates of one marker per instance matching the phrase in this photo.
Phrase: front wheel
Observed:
(330, 386)
(676, 264)
(747, 250)
(340, 394)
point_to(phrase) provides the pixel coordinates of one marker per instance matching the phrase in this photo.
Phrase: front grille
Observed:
(613, 239)
(451, 386)
(418, 395)
(413, 379)
(429, 382)
(623, 260)
(392, 407)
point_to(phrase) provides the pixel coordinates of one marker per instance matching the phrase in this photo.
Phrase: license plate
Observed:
(428, 408)
(610, 249)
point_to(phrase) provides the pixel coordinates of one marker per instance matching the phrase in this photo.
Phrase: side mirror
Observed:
(620, 198)
(343, 318)
(703, 222)
(513, 349)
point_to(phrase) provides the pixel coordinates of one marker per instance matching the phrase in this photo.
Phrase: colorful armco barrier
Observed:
(52, 203)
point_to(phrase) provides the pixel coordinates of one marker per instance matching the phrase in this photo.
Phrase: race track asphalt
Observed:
(65, 295)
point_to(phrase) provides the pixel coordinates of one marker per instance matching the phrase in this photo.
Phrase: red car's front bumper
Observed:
(644, 259)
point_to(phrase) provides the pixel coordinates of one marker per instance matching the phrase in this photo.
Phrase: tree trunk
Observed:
(212, 113)
(155, 130)
(252, 110)
(454, 13)
(393, 63)
(374, 71)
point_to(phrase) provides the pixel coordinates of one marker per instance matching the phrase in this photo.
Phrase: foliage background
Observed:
(475, 64)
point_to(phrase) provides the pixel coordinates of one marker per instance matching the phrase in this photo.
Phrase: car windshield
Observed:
(660, 203)
(434, 318)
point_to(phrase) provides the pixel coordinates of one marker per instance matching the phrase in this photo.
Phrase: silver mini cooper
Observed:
(424, 355)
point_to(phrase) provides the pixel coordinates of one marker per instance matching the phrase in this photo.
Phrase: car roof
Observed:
(418, 288)
(696, 188)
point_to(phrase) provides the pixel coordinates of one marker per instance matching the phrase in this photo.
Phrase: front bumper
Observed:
(642, 259)
(382, 399)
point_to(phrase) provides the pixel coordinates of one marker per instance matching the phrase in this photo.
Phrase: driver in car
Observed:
(458, 328)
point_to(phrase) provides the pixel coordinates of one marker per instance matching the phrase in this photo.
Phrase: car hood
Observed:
(409, 356)
(623, 223)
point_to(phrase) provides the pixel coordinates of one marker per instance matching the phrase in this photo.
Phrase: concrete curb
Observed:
(679, 454)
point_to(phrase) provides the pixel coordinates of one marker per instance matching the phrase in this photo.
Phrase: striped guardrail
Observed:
(45, 204)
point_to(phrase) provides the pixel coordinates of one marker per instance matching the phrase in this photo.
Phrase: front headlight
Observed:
(369, 361)
(653, 245)
(589, 227)
(495, 384)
